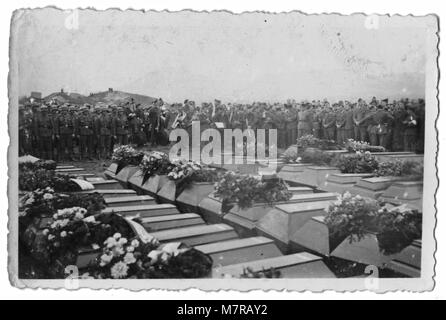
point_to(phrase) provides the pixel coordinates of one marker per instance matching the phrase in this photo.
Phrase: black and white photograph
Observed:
(156, 149)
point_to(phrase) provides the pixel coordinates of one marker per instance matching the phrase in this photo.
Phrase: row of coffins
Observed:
(149, 218)
(394, 190)
(295, 226)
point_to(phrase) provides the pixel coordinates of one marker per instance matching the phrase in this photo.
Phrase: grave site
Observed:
(149, 217)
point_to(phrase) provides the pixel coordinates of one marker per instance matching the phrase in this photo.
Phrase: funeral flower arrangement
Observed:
(291, 155)
(40, 164)
(355, 217)
(123, 258)
(360, 162)
(397, 228)
(310, 141)
(43, 202)
(245, 190)
(353, 146)
(32, 179)
(183, 169)
(317, 157)
(351, 216)
(398, 168)
(155, 163)
(126, 156)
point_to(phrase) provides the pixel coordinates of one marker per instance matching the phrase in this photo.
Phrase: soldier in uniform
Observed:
(290, 125)
(122, 127)
(340, 124)
(154, 118)
(305, 121)
(410, 129)
(348, 128)
(106, 129)
(329, 124)
(25, 124)
(317, 122)
(96, 134)
(360, 122)
(73, 114)
(398, 127)
(45, 131)
(85, 129)
(64, 129)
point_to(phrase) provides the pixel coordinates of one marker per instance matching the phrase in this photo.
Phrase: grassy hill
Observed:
(105, 97)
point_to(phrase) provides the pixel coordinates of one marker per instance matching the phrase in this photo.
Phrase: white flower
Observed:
(51, 237)
(119, 270)
(118, 251)
(122, 241)
(130, 249)
(117, 235)
(78, 216)
(105, 259)
(45, 232)
(95, 246)
(48, 196)
(63, 234)
(135, 243)
(110, 242)
(129, 258)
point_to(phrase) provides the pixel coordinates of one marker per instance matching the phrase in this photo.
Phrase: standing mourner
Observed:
(65, 126)
(399, 115)
(383, 120)
(84, 128)
(106, 129)
(45, 131)
(361, 122)
(348, 127)
(73, 113)
(122, 127)
(317, 122)
(304, 124)
(371, 125)
(291, 125)
(340, 124)
(25, 130)
(410, 129)
(329, 124)
(54, 115)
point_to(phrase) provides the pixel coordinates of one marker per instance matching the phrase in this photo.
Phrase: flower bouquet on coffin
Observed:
(30, 180)
(154, 168)
(246, 199)
(36, 208)
(353, 146)
(180, 175)
(124, 258)
(126, 156)
(373, 233)
(193, 188)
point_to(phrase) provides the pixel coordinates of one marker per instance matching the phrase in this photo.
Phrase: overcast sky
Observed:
(202, 56)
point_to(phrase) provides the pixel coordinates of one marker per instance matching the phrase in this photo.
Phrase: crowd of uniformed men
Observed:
(52, 130)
